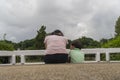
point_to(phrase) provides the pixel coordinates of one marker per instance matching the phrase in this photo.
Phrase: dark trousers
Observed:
(55, 58)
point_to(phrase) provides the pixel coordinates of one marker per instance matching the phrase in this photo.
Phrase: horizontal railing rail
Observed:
(23, 53)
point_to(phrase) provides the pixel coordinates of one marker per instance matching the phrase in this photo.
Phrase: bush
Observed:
(6, 46)
(114, 43)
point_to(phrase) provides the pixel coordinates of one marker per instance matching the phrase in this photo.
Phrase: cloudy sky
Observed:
(20, 19)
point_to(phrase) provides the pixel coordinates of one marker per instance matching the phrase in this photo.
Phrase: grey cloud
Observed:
(76, 18)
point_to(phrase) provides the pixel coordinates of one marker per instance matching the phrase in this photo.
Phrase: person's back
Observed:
(55, 44)
(76, 56)
(56, 48)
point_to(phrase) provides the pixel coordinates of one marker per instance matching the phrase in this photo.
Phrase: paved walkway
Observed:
(90, 71)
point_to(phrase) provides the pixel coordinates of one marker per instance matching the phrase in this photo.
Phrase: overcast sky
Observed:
(20, 19)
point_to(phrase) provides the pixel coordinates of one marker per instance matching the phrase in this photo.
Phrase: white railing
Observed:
(23, 53)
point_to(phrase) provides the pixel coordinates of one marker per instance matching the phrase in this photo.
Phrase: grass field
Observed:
(90, 71)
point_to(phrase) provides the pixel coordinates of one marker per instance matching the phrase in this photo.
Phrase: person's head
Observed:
(57, 32)
(75, 44)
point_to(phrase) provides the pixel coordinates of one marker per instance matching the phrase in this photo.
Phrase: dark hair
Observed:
(76, 44)
(57, 32)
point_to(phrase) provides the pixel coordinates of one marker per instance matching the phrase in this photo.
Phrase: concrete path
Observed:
(87, 71)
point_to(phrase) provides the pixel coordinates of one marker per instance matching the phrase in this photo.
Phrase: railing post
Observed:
(107, 56)
(97, 56)
(13, 60)
(22, 59)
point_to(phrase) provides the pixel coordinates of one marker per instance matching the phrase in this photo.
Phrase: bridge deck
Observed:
(85, 71)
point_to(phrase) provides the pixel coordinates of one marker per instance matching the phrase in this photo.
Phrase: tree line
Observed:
(37, 43)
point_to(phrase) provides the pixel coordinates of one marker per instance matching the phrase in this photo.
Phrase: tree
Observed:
(25, 45)
(35, 43)
(113, 43)
(103, 41)
(89, 42)
(68, 45)
(5, 45)
(117, 27)
(39, 39)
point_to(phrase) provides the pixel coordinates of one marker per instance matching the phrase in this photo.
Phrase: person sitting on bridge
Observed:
(55, 44)
(75, 55)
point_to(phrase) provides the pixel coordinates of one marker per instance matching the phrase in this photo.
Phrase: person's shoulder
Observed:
(76, 50)
(72, 51)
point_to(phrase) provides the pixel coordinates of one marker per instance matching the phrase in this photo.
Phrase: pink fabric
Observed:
(55, 44)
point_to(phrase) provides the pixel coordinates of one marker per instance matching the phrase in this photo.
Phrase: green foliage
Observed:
(112, 43)
(27, 44)
(68, 45)
(33, 44)
(6, 46)
(115, 56)
(39, 39)
(103, 41)
(117, 27)
(89, 42)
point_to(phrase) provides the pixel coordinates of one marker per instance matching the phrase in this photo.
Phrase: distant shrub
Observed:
(114, 43)
(6, 46)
